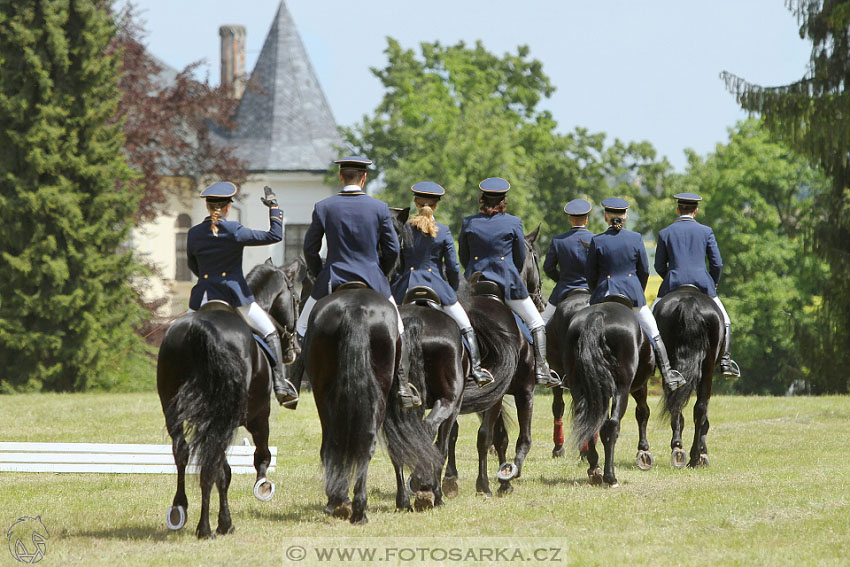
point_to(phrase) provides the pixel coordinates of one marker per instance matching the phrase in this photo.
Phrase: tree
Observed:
(459, 114)
(758, 198)
(812, 116)
(66, 198)
(167, 120)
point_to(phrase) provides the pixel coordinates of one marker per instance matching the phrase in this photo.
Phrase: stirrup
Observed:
(409, 399)
(486, 381)
(730, 369)
(554, 380)
(285, 399)
(675, 380)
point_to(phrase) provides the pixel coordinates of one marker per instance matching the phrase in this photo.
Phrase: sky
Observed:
(633, 70)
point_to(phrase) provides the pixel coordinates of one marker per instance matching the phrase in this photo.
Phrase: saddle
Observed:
(578, 291)
(618, 298)
(486, 288)
(421, 295)
(356, 284)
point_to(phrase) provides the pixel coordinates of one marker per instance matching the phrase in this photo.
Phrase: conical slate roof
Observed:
(283, 122)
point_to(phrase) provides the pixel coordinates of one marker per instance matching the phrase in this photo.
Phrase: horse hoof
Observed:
(264, 490)
(558, 451)
(701, 462)
(450, 487)
(225, 531)
(645, 460)
(423, 501)
(175, 517)
(507, 471)
(505, 489)
(678, 458)
(361, 521)
(595, 476)
(343, 512)
(614, 484)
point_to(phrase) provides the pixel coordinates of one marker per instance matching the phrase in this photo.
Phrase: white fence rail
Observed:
(111, 458)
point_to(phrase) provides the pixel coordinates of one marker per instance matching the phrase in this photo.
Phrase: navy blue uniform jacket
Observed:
(569, 254)
(494, 246)
(617, 263)
(424, 263)
(356, 226)
(217, 260)
(680, 257)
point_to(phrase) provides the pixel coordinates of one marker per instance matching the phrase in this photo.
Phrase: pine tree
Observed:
(67, 309)
(812, 116)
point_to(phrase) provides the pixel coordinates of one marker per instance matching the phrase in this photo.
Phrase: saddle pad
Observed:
(646, 332)
(523, 328)
(266, 349)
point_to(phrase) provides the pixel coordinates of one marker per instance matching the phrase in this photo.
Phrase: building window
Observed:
(293, 238)
(182, 226)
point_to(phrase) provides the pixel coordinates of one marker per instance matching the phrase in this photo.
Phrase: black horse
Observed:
(691, 326)
(607, 357)
(351, 353)
(506, 352)
(212, 377)
(441, 365)
(575, 301)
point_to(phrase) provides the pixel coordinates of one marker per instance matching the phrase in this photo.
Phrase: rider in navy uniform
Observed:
(566, 259)
(492, 242)
(680, 259)
(356, 227)
(617, 264)
(431, 253)
(214, 249)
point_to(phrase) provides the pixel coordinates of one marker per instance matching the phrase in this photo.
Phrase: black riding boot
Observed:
(673, 379)
(407, 394)
(542, 372)
(729, 367)
(482, 376)
(284, 391)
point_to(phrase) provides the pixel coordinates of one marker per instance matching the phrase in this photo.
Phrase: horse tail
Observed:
(593, 380)
(687, 350)
(357, 401)
(407, 438)
(212, 399)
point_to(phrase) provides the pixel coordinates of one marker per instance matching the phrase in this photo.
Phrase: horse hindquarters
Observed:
(211, 401)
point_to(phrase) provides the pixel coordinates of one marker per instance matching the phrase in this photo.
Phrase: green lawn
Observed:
(777, 493)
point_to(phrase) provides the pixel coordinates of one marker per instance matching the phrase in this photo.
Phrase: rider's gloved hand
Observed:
(270, 200)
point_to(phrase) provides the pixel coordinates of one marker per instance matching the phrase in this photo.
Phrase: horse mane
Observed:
(265, 281)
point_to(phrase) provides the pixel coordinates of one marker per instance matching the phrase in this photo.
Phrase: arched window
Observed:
(182, 226)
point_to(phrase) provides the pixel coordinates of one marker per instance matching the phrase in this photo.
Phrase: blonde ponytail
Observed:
(424, 219)
(215, 210)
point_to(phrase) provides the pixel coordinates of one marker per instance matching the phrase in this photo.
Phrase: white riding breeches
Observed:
(527, 311)
(458, 313)
(301, 325)
(726, 320)
(254, 315)
(549, 312)
(645, 315)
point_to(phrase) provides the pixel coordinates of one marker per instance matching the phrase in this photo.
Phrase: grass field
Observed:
(777, 493)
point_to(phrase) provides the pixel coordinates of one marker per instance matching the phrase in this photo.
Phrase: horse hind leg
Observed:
(176, 515)
(358, 511)
(264, 489)
(558, 423)
(203, 530)
(225, 523)
(699, 451)
(609, 433)
(450, 478)
(645, 461)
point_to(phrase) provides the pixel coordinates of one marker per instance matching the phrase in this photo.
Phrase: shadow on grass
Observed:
(127, 533)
